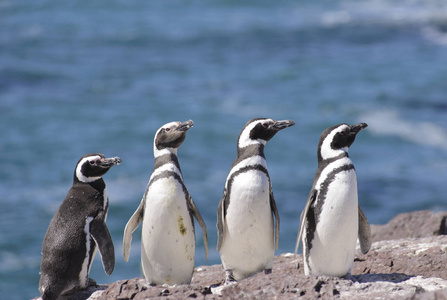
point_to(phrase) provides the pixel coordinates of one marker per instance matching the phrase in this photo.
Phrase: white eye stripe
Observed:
(326, 150)
(166, 127)
(81, 177)
(245, 140)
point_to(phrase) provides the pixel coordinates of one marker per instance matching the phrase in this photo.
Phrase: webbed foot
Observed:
(229, 277)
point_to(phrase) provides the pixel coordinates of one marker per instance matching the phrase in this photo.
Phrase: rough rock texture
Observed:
(407, 261)
(399, 269)
(411, 225)
(414, 256)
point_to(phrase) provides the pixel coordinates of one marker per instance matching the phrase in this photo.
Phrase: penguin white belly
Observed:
(168, 239)
(248, 246)
(333, 246)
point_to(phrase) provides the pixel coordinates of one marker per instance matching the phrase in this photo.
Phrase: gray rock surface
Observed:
(407, 261)
(416, 224)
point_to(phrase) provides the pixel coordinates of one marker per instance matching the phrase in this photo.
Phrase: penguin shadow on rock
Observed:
(166, 211)
(247, 217)
(77, 230)
(394, 277)
(332, 219)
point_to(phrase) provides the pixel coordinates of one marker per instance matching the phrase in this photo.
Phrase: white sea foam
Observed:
(394, 11)
(428, 14)
(334, 18)
(388, 122)
(12, 262)
(435, 34)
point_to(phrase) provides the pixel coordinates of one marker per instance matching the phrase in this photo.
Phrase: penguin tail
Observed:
(48, 295)
(47, 290)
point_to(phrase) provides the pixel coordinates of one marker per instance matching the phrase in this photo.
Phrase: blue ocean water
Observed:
(103, 76)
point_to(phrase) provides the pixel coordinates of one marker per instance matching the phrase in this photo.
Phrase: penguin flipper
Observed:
(364, 232)
(196, 214)
(275, 212)
(131, 225)
(102, 237)
(310, 200)
(221, 219)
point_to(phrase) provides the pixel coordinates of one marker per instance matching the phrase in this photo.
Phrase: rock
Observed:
(414, 256)
(411, 225)
(406, 261)
(401, 269)
(93, 292)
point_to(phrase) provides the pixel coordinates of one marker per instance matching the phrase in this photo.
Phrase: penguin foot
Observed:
(229, 277)
(267, 271)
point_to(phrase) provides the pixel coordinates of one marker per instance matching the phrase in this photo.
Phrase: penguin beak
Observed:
(109, 162)
(358, 127)
(184, 126)
(278, 125)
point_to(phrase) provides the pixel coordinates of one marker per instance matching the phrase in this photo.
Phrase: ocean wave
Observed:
(201, 21)
(393, 11)
(436, 33)
(10, 262)
(389, 122)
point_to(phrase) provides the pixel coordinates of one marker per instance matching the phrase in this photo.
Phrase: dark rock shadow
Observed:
(394, 277)
(83, 294)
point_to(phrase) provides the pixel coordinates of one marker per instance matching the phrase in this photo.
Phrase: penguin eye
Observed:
(343, 132)
(265, 124)
(167, 129)
(92, 162)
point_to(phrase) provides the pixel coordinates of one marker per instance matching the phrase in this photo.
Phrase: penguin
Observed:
(166, 210)
(77, 230)
(332, 219)
(247, 232)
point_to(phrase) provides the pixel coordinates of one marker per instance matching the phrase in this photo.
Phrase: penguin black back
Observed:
(76, 229)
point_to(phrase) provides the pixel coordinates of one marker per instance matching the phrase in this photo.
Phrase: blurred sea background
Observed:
(102, 76)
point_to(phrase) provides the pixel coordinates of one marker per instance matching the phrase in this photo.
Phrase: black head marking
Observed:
(338, 137)
(261, 130)
(94, 165)
(346, 136)
(172, 135)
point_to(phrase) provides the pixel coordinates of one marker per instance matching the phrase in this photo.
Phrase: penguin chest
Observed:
(248, 245)
(168, 240)
(333, 246)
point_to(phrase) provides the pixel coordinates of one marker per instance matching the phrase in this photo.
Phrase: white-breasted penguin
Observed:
(332, 219)
(247, 233)
(166, 210)
(77, 230)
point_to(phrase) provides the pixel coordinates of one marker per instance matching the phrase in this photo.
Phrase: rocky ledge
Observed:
(407, 260)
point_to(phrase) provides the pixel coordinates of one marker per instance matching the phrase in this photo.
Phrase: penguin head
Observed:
(170, 136)
(260, 131)
(337, 139)
(92, 166)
